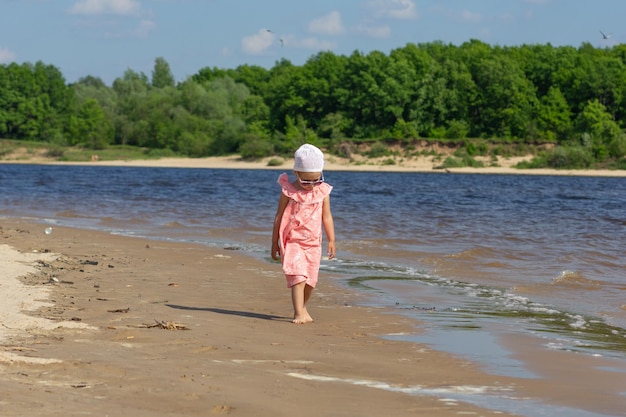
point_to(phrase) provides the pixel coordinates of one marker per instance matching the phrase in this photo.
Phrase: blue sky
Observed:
(103, 38)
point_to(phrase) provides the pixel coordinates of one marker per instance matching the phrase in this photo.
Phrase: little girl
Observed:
(303, 207)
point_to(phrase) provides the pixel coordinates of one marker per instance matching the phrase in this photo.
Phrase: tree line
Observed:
(572, 97)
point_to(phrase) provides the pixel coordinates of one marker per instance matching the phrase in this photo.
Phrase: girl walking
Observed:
(303, 208)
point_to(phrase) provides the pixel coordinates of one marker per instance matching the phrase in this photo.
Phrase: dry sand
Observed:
(333, 163)
(170, 329)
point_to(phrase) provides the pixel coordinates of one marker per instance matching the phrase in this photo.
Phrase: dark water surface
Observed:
(538, 255)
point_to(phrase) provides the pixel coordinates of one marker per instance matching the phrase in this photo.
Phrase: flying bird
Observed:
(605, 36)
(282, 42)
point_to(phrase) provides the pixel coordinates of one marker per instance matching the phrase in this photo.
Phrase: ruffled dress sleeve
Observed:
(316, 195)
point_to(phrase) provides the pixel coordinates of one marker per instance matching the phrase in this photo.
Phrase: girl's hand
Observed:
(331, 250)
(275, 251)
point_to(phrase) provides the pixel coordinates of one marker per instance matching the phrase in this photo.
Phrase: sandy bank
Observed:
(422, 164)
(172, 329)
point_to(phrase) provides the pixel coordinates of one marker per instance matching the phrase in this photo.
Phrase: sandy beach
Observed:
(172, 329)
(102, 324)
(333, 163)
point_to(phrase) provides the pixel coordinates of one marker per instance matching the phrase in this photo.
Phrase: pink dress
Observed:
(300, 233)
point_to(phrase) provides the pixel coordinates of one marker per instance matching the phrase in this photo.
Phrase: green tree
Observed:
(539, 63)
(58, 100)
(442, 96)
(280, 95)
(370, 94)
(333, 126)
(94, 88)
(252, 76)
(162, 75)
(35, 103)
(130, 125)
(505, 103)
(90, 127)
(316, 86)
(553, 116)
(597, 124)
(297, 133)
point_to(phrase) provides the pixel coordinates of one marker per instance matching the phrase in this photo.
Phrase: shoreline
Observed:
(235, 352)
(239, 353)
(333, 163)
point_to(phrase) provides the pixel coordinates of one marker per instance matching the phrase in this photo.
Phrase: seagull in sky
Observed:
(605, 36)
(282, 42)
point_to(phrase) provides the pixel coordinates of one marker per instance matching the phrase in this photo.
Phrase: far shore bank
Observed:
(504, 166)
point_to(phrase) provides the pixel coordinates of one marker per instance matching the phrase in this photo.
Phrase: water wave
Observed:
(575, 279)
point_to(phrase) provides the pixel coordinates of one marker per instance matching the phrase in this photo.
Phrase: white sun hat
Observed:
(308, 158)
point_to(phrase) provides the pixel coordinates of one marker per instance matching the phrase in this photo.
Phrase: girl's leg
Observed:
(299, 296)
(308, 290)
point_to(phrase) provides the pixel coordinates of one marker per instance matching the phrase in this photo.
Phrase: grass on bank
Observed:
(446, 153)
(19, 150)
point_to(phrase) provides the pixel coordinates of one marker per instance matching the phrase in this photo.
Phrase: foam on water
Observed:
(499, 398)
(456, 300)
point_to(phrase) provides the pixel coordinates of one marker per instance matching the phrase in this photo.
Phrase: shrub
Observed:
(55, 152)
(457, 129)
(275, 162)
(536, 162)
(482, 149)
(160, 153)
(451, 162)
(377, 150)
(470, 148)
(617, 147)
(465, 161)
(256, 148)
(569, 158)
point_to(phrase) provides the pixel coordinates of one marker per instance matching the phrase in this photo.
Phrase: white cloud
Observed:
(467, 16)
(327, 25)
(97, 7)
(258, 43)
(6, 56)
(509, 17)
(374, 31)
(463, 16)
(129, 20)
(394, 9)
(314, 44)
(144, 29)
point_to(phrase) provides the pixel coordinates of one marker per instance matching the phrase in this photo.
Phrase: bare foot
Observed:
(302, 319)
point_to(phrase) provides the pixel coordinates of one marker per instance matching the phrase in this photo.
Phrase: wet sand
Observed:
(126, 326)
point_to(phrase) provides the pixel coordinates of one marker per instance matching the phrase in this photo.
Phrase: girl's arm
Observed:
(329, 227)
(282, 203)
